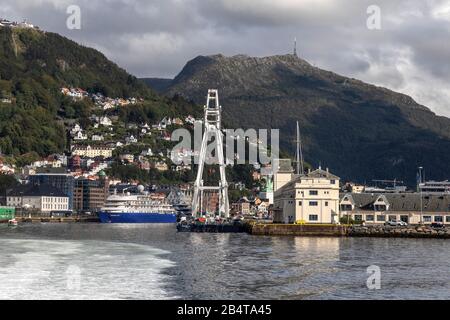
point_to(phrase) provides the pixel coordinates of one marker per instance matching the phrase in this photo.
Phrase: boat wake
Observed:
(48, 269)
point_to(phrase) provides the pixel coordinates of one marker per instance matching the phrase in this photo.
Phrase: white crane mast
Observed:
(212, 123)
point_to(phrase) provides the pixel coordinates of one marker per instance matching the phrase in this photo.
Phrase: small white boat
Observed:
(12, 223)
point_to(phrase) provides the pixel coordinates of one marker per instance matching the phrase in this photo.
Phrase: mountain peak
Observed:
(243, 58)
(360, 130)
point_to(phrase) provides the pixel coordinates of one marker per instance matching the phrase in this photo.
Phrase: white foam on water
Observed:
(47, 269)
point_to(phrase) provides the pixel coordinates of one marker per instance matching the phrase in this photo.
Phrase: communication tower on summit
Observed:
(295, 47)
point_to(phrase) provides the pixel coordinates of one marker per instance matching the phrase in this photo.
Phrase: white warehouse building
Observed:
(308, 198)
(42, 198)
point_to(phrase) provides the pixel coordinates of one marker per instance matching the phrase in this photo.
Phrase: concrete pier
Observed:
(306, 230)
(37, 219)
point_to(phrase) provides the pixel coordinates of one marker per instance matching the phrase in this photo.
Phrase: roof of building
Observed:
(102, 173)
(51, 170)
(319, 173)
(316, 174)
(31, 190)
(404, 201)
(93, 147)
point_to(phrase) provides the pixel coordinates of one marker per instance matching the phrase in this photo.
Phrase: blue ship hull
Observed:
(137, 217)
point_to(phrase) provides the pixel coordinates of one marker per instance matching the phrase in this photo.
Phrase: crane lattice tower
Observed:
(212, 121)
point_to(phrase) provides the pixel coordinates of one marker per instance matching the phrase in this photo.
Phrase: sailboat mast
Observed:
(299, 153)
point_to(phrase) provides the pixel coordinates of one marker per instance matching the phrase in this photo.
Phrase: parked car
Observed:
(395, 223)
(437, 225)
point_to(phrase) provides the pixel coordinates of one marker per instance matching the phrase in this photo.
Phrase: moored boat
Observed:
(128, 208)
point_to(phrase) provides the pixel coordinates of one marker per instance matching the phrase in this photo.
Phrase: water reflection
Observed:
(147, 261)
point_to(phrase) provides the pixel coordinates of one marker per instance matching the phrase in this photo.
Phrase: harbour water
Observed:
(113, 261)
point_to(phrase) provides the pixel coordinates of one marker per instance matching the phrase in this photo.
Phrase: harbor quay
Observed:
(315, 230)
(46, 219)
(375, 231)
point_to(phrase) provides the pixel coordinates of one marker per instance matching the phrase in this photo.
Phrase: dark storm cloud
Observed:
(410, 53)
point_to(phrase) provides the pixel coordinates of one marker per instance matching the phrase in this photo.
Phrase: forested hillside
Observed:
(35, 65)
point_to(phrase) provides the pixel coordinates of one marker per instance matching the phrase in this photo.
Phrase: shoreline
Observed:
(296, 230)
(414, 232)
(75, 219)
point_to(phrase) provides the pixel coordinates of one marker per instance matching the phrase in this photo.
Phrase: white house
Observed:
(127, 157)
(108, 105)
(308, 198)
(145, 131)
(105, 121)
(92, 151)
(131, 139)
(80, 136)
(147, 153)
(6, 169)
(43, 198)
(189, 119)
(76, 128)
(97, 137)
(6, 100)
(165, 122)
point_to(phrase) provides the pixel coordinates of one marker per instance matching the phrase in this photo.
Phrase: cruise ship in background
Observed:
(139, 208)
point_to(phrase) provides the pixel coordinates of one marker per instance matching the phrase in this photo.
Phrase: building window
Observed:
(333, 181)
(447, 219)
(326, 203)
(313, 217)
(392, 218)
(438, 219)
(381, 218)
(370, 217)
(300, 203)
(313, 192)
(346, 207)
(426, 218)
(404, 218)
(358, 217)
(313, 203)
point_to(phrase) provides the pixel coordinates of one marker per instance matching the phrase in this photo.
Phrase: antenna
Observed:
(295, 47)
(299, 157)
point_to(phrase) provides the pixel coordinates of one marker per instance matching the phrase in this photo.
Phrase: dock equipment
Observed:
(212, 121)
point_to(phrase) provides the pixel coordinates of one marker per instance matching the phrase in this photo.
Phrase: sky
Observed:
(408, 53)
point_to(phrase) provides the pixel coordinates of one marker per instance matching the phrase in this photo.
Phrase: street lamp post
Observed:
(421, 198)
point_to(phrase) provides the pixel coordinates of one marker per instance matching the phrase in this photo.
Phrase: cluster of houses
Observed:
(93, 145)
(253, 206)
(14, 24)
(6, 168)
(78, 134)
(6, 100)
(99, 99)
